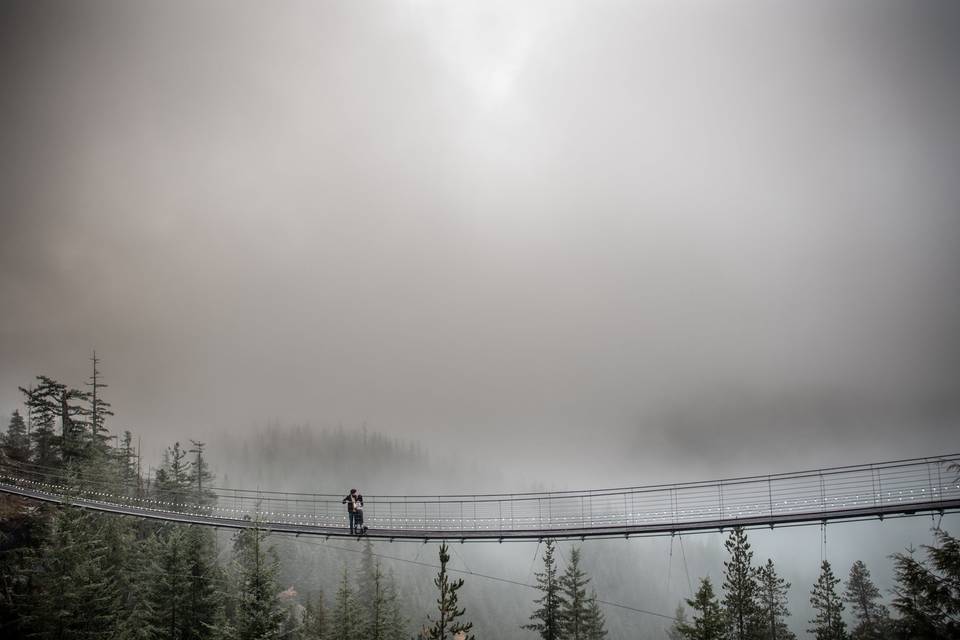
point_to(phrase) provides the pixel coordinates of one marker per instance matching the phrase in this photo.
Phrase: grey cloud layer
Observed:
(629, 226)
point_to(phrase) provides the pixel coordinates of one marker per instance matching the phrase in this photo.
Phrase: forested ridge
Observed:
(69, 573)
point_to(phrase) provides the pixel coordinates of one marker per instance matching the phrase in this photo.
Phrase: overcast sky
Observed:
(716, 236)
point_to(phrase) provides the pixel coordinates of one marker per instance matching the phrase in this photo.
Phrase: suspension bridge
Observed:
(867, 491)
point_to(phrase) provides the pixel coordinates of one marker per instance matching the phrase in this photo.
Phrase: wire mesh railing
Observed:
(888, 487)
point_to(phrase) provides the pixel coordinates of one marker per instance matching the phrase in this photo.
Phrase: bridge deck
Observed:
(928, 485)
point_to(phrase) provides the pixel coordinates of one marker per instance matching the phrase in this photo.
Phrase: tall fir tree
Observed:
(129, 474)
(862, 595)
(168, 599)
(546, 618)
(43, 407)
(173, 478)
(378, 609)
(72, 595)
(772, 603)
(708, 620)
(447, 624)
(674, 632)
(315, 619)
(75, 444)
(200, 477)
(136, 586)
(828, 623)
(97, 410)
(366, 580)
(396, 622)
(596, 628)
(740, 589)
(16, 442)
(204, 581)
(945, 558)
(258, 612)
(346, 622)
(927, 592)
(574, 602)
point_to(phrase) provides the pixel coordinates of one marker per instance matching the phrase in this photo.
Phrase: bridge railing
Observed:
(924, 481)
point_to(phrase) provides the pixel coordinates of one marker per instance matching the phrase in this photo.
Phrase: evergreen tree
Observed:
(574, 601)
(920, 617)
(200, 477)
(708, 618)
(168, 599)
(71, 595)
(862, 595)
(447, 625)
(595, 624)
(396, 623)
(97, 410)
(927, 594)
(367, 581)
(679, 622)
(203, 601)
(772, 603)
(740, 588)
(829, 624)
(546, 618)
(73, 434)
(136, 586)
(315, 621)
(129, 474)
(258, 612)
(173, 478)
(345, 620)
(16, 442)
(42, 401)
(378, 616)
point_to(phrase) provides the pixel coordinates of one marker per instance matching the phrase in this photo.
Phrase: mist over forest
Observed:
(423, 248)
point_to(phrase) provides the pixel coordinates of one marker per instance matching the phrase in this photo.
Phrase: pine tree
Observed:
(204, 606)
(168, 600)
(200, 478)
(74, 443)
(127, 462)
(740, 588)
(16, 442)
(366, 580)
(315, 620)
(42, 401)
(72, 595)
(595, 624)
(546, 618)
(447, 625)
(708, 618)
(136, 586)
(396, 622)
(829, 624)
(772, 602)
(378, 610)
(679, 622)
(258, 612)
(920, 617)
(862, 595)
(345, 619)
(98, 409)
(574, 601)
(173, 478)
(927, 593)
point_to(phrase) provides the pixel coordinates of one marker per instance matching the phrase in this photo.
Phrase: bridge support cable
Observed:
(902, 487)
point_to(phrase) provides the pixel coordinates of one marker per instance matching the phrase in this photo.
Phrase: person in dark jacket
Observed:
(353, 500)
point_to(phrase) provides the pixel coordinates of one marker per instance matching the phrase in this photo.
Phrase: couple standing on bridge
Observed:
(354, 502)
